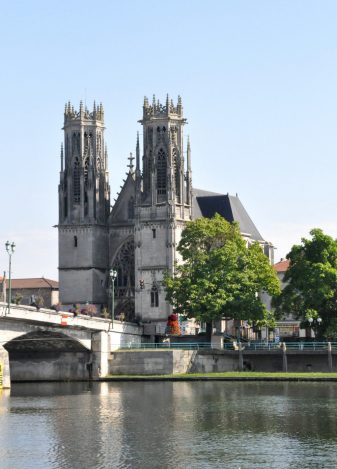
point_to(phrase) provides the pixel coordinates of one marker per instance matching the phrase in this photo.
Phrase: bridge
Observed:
(49, 345)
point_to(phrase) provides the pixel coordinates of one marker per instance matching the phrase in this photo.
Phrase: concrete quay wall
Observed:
(207, 361)
(150, 362)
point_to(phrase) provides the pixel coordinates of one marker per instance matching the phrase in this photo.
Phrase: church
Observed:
(138, 235)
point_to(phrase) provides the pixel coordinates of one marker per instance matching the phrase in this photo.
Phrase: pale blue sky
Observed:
(258, 81)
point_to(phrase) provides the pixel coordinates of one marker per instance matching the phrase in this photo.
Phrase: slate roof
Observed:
(207, 204)
(34, 283)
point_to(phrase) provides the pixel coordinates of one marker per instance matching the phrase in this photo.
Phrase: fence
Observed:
(300, 345)
(309, 346)
(170, 345)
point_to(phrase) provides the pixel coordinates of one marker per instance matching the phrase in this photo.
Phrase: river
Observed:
(169, 425)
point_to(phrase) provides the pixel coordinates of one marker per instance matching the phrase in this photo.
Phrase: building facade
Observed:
(138, 236)
(26, 291)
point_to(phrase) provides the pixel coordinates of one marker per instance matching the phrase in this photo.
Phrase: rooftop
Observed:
(282, 265)
(207, 204)
(34, 283)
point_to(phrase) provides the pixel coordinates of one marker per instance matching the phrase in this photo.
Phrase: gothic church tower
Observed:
(163, 204)
(84, 204)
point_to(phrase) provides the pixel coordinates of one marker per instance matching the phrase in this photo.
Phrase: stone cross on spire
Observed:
(130, 165)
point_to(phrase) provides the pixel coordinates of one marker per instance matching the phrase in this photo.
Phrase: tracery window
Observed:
(147, 171)
(154, 296)
(75, 143)
(86, 168)
(77, 181)
(176, 169)
(161, 172)
(124, 264)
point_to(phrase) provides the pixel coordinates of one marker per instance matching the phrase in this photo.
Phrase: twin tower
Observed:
(137, 237)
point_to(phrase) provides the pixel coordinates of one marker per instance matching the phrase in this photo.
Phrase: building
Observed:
(3, 288)
(30, 290)
(138, 236)
(287, 328)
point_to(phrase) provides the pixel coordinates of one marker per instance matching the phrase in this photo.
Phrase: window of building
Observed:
(176, 169)
(77, 182)
(161, 172)
(86, 170)
(153, 232)
(154, 297)
(75, 242)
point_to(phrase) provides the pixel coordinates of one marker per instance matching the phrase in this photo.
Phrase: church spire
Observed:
(188, 174)
(188, 154)
(61, 155)
(137, 154)
(138, 173)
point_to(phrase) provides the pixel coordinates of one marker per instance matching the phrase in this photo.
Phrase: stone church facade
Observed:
(138, 236)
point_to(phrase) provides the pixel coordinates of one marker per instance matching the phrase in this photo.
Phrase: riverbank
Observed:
(227, 376)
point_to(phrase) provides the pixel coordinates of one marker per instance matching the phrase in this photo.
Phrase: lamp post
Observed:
(10, 248)
(113, 276)
(312, 320)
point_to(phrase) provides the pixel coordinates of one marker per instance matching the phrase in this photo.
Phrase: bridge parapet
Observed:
(44, 316)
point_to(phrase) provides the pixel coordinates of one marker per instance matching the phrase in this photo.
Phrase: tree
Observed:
(220, 276)
(311, 283)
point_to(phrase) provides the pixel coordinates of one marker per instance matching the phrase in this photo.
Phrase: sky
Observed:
(258, 80)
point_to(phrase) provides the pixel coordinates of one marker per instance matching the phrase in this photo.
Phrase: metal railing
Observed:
(299, 345)
(169, 345)
(253, 345)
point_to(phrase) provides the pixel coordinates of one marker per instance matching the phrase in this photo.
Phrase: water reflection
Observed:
(169, 425)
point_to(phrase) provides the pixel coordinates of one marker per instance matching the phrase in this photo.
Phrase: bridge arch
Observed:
(44, 355)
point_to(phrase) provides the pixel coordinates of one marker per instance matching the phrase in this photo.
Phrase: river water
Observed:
(169, 425)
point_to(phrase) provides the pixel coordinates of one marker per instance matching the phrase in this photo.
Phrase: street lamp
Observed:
(311, 321)
(113, 276)
(10, 248)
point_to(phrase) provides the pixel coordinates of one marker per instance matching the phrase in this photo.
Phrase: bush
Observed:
(17, 298)
(173, 327)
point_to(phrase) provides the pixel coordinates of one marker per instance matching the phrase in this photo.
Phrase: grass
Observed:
(232, 375)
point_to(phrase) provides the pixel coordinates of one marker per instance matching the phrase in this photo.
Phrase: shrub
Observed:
(173, 327)
(17, 298)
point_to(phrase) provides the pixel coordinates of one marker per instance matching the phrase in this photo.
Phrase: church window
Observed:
(124, 264)
(86, 167)
(154, 297)
(131, 209)
(176, 169)
(77, 182)
(150, 135)
(76, 143)
(75, 242)
(153, 232)
(98, 164)
(161, 172)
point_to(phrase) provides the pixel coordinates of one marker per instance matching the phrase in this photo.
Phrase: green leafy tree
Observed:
(311, 284)
(220, 276)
